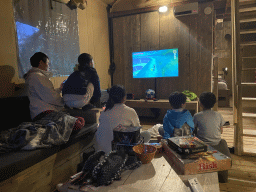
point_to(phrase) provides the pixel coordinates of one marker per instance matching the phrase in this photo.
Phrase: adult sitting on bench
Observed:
(44, 99)
(82, 88)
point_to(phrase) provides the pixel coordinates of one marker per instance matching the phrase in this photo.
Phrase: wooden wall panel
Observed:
(223, 36)
(192, 34)
(149, 41)
(118, 36)
(194, 54)
(205, 38)
(184, 64)
(127, 34)
(174, 34)
(132, 43)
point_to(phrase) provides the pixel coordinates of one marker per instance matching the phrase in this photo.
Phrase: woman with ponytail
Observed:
(115, 113)
(82, 88)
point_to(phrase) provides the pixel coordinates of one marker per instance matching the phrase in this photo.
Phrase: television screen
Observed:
(157, 63)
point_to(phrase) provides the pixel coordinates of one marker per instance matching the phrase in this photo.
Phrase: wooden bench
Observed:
(42, 169)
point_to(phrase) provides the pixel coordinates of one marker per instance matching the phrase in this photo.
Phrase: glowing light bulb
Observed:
(163, 9)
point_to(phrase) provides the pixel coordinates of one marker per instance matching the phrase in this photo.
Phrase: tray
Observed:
(187, 145)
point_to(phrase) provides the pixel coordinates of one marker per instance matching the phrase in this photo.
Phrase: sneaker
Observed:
(226, 123)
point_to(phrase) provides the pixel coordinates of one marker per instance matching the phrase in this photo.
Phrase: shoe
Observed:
(226, 123)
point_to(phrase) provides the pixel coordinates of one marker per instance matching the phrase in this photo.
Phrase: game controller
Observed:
(195, 185)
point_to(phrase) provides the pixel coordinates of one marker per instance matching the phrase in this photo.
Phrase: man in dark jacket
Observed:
(82, 88)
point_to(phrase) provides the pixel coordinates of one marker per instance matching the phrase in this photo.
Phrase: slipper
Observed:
(110, 168)
(226, 123)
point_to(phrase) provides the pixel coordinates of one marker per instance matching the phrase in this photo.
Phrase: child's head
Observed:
(117, 94)
(207, 100)
(37, 57)
(177, 99)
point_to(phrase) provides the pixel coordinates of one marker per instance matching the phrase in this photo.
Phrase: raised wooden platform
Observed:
(90, 116)
(45, 175)
(242, 175)
(157, 176)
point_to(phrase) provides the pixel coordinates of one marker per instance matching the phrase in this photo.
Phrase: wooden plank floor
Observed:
(249, 127)
(157, 175)
(242, 175)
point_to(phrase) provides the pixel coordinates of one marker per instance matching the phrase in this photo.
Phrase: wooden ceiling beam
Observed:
(219, 5)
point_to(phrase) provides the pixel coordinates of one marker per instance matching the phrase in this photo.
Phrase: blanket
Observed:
(53, 129)
(154, 131)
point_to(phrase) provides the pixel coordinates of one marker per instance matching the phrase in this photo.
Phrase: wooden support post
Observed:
(236, 67)
(215, 82)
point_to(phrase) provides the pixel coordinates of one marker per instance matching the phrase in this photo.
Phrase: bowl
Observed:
(145, 152)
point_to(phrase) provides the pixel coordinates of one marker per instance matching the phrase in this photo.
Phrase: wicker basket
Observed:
(145, 152)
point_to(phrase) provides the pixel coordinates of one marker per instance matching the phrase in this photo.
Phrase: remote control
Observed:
(195, 185)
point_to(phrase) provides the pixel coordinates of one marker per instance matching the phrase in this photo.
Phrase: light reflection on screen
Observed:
(24, 31)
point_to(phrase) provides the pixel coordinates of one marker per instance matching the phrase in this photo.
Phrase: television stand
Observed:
(192, 106)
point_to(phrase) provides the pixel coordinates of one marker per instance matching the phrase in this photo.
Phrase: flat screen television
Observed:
(156, 63)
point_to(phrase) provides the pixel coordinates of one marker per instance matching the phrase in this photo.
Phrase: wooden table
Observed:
(161, 104)
(157, 176)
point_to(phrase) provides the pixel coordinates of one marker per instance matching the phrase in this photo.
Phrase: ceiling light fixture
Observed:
(163, 9)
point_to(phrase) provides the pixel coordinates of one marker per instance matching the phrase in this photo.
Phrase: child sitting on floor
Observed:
(116, 113)
(208, 128)
(178, 121)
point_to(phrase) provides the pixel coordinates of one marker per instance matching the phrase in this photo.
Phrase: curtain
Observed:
(48, 27)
